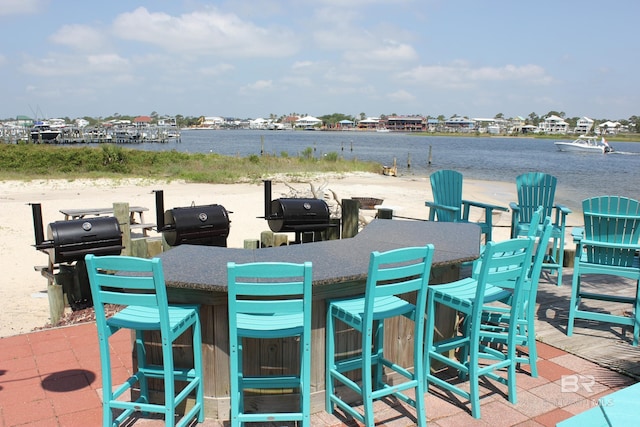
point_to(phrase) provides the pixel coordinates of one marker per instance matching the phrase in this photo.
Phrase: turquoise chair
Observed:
(448, 205)
(496, 318)
(391, 274)
(503, 262)
(536, 189)
(608, 244)
(269, 300)
(139, 286)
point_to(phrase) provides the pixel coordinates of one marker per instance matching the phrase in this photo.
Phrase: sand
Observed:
(23, 290)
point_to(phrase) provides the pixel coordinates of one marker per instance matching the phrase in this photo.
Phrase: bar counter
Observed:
(197, 274)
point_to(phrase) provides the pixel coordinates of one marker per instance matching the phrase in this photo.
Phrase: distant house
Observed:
(346, 124)
(553, 124)
(584, 125)
(405, 124)
(142, 121)
(308, 122)
(433, 125)
(368, 123)
(459, 124)
(609, 128)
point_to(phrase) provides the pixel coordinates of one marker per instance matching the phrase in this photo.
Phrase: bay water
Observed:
(580, 175)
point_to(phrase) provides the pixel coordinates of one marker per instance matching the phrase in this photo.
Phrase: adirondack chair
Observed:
(536, 189)
(607, 244)
(448, 205)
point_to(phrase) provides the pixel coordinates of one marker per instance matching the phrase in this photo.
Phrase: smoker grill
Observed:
(70, 241)
(67, 244)
(205, 225)
(295, 215)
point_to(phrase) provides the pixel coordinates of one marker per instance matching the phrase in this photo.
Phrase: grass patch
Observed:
(29, 161)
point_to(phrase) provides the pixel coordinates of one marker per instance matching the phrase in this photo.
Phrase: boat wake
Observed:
(625, 153)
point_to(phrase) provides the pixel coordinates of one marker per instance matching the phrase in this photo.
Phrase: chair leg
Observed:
(473, 367)
(197, 365)
(636, 316)
(235, 391)
(107, 385)
(169, 384)
(575, 300)
(330, 361)
(532, 347)
(141, 353)
(305, 379)
(429, 339)
(378, 349)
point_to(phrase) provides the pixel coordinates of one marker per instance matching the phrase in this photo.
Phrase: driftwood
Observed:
(322, 191)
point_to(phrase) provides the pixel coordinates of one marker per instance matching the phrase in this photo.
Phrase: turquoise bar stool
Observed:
(495, 318)
(391, 274)
(507, 261)
(139, 287)
(269, 300)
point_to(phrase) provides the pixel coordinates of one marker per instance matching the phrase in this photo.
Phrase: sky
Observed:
(257, 58)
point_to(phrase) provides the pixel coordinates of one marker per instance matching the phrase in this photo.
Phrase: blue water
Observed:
(493, 159)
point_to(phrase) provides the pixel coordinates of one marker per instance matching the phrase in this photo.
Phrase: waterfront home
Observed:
(553, 124)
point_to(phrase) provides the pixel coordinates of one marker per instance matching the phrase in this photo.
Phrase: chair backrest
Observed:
(612, 220)
(508, 261)
(535, 189)
(446, 186)
(397, 272)
(269, 288)
(126, 281)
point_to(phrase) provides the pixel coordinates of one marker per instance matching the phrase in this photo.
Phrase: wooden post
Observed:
(385, 213)
(333, 232)
(280, 239)
(56, 301)
(266, 239)
(251, 243)
(121, 212)
(350, 214)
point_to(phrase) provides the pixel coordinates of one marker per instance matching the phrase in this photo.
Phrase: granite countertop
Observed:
(334, 261)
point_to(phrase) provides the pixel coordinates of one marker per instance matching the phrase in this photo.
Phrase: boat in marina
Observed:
(585, 144)
(43, 132)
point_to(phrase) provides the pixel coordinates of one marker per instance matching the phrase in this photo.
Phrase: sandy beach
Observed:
(24, 290)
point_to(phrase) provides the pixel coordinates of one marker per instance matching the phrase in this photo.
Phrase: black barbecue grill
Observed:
(70, 241)
(297, 215)
(205, 225)
(67, 244)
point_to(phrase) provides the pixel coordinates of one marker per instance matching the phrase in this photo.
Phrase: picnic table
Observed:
(136, 216)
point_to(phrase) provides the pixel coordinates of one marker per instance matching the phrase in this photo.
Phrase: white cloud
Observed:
(401, 96)
(388, 55)
(22, 7)
(70, 65)
(216, 70)
(302, 65)
(258, 86)
(261, 85)
(208, 32)
(460, 75)
(81, 37)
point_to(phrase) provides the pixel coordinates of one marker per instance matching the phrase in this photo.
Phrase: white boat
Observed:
(43, 132)
(585, 144)
(382, 130)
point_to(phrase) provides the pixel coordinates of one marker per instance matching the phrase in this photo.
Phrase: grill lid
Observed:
(298, 215)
